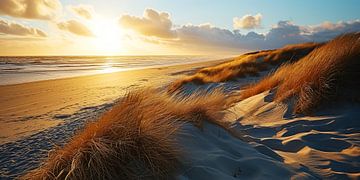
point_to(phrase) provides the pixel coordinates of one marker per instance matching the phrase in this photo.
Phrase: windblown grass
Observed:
(134, 140)
(328, 72)
(249, 64)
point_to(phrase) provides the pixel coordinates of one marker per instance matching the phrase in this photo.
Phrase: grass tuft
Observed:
(134, 140)
(250, 64)
(329, 72)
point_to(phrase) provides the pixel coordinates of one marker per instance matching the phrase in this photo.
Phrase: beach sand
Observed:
(264, 140)
(29, 108)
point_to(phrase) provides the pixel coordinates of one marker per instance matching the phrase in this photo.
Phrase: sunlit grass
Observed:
(319, 77)
(134, 140)
(250, 64)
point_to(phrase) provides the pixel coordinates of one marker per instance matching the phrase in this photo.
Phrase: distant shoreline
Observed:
(73, 68)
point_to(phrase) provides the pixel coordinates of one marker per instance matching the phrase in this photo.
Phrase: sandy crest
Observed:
(213, 153)
(324, 145)
(272, 142)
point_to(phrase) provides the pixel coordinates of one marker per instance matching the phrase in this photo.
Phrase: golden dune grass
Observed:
(249, 64)
(328, 72)
(134, 140)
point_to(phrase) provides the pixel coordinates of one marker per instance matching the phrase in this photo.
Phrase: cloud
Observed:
(205, 37)
(328, 30)
(75, 27)
(30, 9)
(84, 11)
(157, 28)
(285, 32)
(208, 37)
(247, 22)
(207, 34)
(13, 28)
(152, 23)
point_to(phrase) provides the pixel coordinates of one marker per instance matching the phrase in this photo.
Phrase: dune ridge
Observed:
(249, 64)
(280, 122)
(305, 113)
(135, 139)
(327, 73)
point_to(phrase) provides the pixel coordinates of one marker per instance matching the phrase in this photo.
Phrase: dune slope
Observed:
(246, 65)
(135, 139)
(299, 122)
(328, 73)
(324, 144)
(305, 114)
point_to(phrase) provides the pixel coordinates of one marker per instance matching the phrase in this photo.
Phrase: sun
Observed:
(107, 36)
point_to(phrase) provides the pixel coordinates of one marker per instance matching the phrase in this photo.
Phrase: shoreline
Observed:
(31, 107)
(115, 70)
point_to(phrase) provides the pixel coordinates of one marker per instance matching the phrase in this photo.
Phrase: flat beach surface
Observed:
(32, 107)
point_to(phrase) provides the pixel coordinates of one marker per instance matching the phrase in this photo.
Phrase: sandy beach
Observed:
(179, 90)
(31, 107)
(215, 120)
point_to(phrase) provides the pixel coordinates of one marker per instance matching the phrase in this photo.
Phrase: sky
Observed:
(159, 27)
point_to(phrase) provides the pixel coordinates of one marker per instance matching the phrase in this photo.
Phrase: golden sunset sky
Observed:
(122, 27)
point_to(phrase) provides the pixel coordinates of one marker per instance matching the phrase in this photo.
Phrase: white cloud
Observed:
(13, 28)
(285, 32)
(75, 27)
(247, 22)
(206, 36)
(152, 23)
(84, 11)
(31, 9)
(327, 30)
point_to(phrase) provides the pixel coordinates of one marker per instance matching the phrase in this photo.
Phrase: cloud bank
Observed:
(13, 28)
(247, 22)
(83, 11)
(75, 27)
(30, 9)
(152, 23)
(205, 36)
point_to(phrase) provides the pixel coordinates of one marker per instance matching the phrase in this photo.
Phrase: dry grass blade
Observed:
(327, 73)
(250, 64)
(134, 140)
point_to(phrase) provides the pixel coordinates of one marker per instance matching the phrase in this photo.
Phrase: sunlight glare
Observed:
(108, 36)
(108, 69)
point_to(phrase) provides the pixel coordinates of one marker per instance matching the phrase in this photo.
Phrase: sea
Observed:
(23, 69)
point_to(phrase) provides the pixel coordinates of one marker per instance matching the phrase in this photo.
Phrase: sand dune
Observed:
(325, 144)
(238, 127)
(322, 139)
(213, 153)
